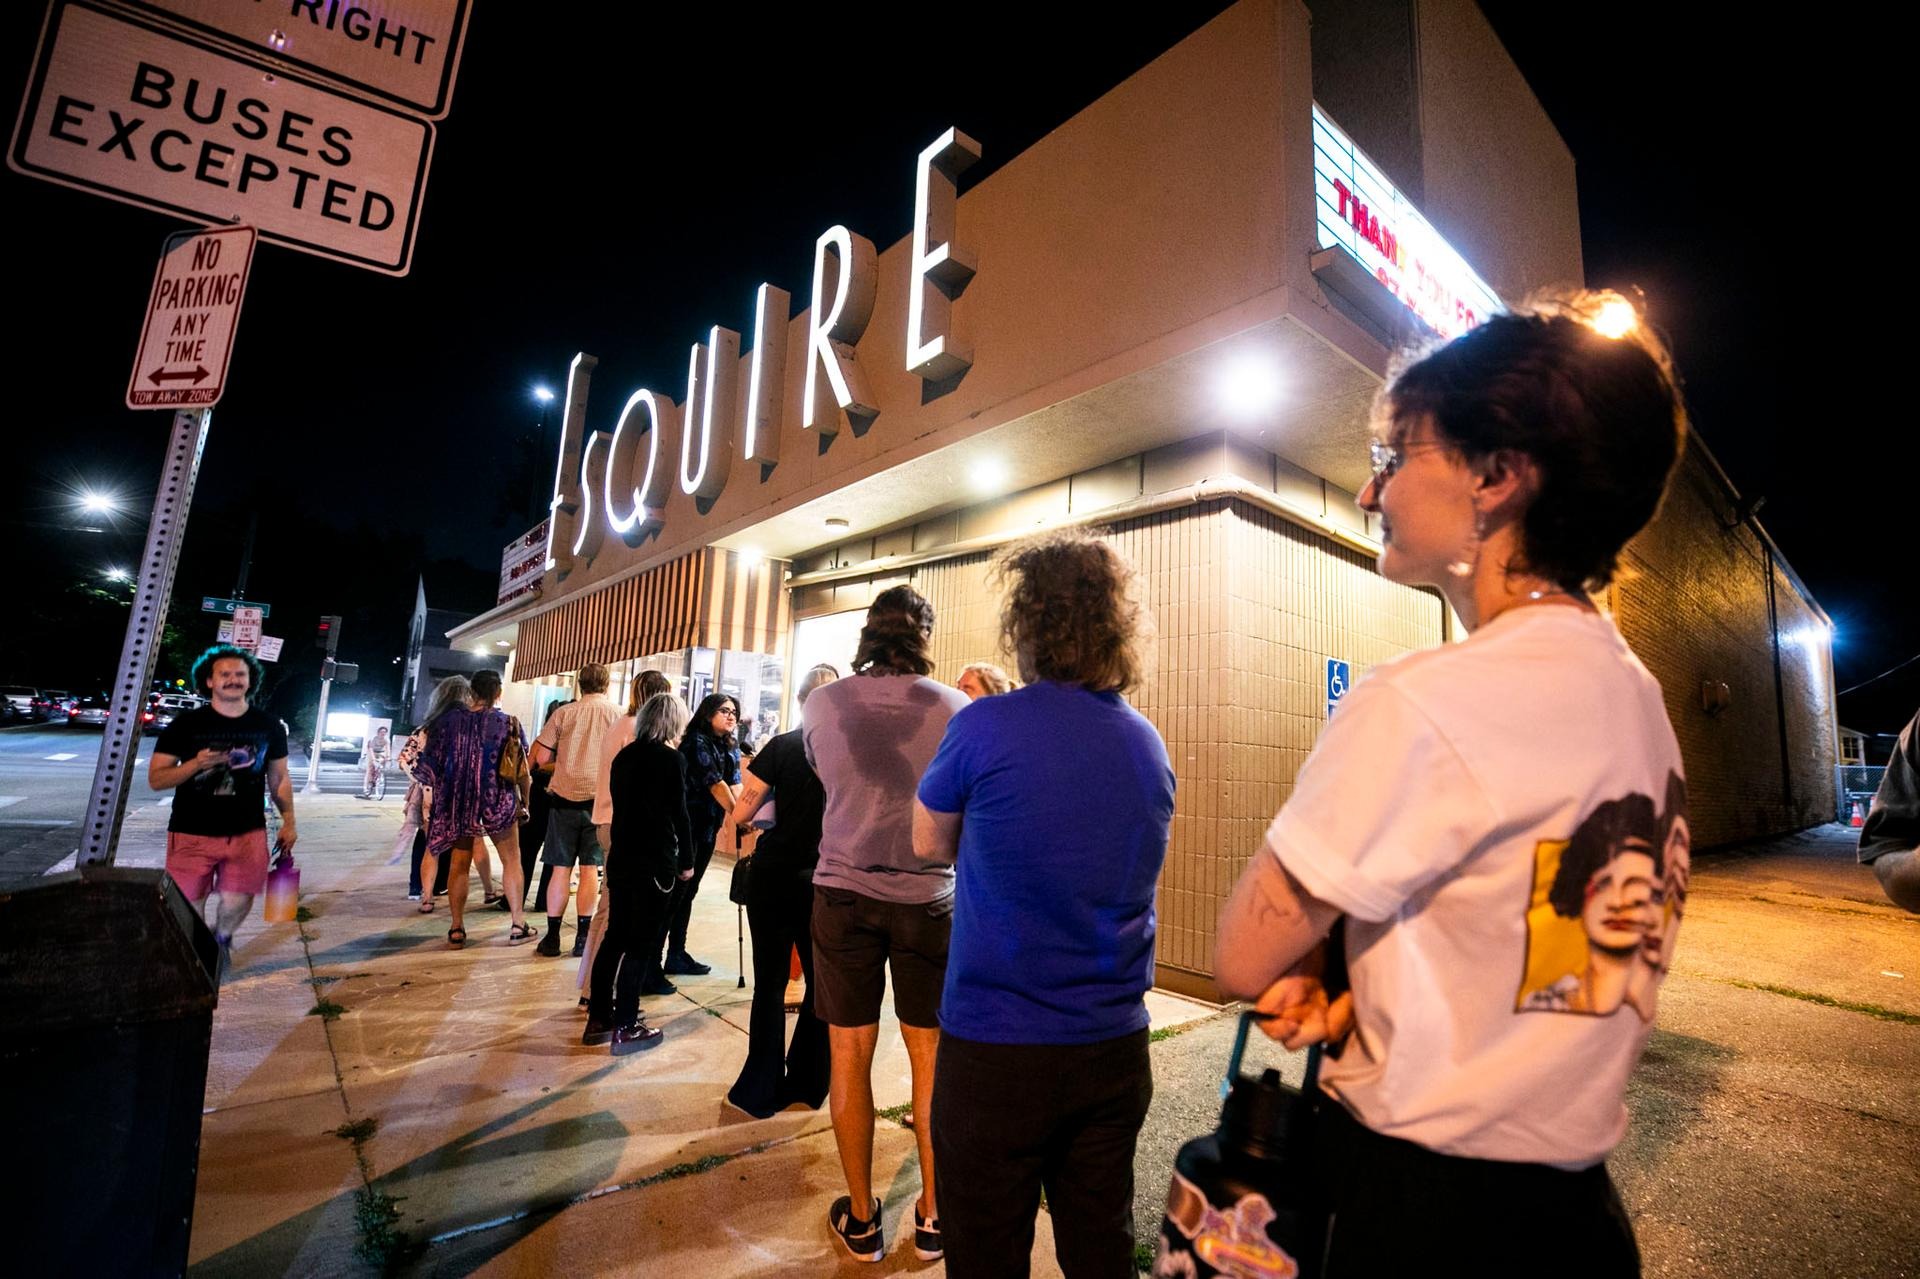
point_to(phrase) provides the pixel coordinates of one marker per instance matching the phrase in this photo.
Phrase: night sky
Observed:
(618, 185)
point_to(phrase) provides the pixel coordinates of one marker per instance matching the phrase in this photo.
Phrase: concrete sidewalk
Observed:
(1774, 1119)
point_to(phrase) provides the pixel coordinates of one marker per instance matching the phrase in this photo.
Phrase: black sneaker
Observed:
(659, 986)
(549, 946)
(926, 1236)
(634, 1038)
(597, 1032)
(682, 964)
(579, 942)
(862, 1239)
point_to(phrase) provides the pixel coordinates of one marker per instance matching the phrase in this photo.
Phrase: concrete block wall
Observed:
(1691, 600)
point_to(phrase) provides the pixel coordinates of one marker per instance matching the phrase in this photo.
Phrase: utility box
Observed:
(107, 990)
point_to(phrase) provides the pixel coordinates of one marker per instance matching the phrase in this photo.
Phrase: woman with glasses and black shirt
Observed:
(711, 750)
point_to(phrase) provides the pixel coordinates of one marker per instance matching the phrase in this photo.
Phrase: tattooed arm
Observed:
(1270, 952)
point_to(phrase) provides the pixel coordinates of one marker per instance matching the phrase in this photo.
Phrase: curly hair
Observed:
(898, 633)
(1600, 416)
(1072, 612)
(202, 674)
(992, 677)
(1603, 836)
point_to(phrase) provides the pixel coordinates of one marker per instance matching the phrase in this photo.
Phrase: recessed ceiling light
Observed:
(1249, 386)
(838, 521)
(988, 475)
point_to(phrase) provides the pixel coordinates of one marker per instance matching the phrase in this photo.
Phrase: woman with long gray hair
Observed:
(651, 854)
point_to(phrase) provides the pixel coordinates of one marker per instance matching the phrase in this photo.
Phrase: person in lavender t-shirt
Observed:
(869, 738)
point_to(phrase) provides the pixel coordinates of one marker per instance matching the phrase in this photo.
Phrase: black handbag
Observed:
(742, 886)
(1245, 1199)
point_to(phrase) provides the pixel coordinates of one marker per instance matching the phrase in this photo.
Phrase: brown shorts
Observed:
(237, 862)
(856, 938)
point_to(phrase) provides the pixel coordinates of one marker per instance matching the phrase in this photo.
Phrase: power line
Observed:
(1882, 675)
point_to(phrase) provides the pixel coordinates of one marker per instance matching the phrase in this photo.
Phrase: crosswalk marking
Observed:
(7, 801)
(63, 755)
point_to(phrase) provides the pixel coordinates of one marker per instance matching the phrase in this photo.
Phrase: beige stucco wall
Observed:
(1499, 182)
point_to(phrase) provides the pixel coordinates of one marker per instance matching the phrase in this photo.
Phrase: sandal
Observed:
(426, 907)
(519, 933)
(456, 937)
(489, 899)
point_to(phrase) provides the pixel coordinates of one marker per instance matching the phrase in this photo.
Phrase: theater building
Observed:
(1165, 322)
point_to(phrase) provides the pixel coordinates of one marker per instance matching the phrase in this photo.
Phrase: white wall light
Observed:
(1249, 386)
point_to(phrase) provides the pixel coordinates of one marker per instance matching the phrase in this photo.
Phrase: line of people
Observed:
(1471, 896)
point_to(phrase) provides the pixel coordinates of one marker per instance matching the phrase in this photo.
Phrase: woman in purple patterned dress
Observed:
(461, 764)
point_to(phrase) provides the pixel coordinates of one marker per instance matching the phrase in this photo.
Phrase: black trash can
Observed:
(107, 990)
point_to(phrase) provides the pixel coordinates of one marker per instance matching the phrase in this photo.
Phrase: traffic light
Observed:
(328, 637)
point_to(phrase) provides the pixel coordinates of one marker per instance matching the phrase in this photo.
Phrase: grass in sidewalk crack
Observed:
(357, 1131)
(326, 1010)
(894, 1114)
(301, 914)
(1827, 1001)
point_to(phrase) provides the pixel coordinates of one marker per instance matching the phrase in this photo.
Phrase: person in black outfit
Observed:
(534, 834)
(652, 855)
(780, 912)
(712, 754)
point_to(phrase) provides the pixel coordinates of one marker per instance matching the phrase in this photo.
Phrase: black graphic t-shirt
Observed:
(230, 798)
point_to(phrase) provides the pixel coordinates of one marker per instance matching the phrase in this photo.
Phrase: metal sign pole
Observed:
(166, 529)
(319, 735)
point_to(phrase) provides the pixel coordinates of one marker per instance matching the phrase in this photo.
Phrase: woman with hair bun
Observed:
(1488, 821)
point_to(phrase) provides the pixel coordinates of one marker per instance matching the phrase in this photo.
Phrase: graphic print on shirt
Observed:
(246, 753)
(1606, 907)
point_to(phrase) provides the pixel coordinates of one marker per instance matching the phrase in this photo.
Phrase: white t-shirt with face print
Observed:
(1504, 823)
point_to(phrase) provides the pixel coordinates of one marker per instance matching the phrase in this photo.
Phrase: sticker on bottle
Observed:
(1233, 1242)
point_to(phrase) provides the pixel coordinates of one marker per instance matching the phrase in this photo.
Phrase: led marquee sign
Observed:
(1360, 211)
(631, 469)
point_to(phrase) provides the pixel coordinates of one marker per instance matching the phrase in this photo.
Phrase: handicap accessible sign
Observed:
(1339, 680)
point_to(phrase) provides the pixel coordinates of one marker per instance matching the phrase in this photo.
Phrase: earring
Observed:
(1469, 558)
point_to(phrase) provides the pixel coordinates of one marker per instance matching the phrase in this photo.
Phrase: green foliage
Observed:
(374, 1215)
(326, 1010)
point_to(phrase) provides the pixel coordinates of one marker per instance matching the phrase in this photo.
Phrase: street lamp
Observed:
(116, 575)
(537, 501)
(98, 503)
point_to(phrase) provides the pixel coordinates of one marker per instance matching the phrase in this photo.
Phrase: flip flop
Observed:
(456, 937)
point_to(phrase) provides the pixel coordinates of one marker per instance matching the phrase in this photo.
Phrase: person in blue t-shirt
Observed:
(1042, 1079)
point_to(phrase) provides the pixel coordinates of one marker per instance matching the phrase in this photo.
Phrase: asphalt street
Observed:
(46, 771)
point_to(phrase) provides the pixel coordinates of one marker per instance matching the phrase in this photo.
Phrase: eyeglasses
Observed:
(729, 712)
(1387, 459)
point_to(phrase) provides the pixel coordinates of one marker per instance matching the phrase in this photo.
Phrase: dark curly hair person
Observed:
(1466, 801)
(1055, 893)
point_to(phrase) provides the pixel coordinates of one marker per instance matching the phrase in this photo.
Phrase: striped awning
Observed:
(712, 598)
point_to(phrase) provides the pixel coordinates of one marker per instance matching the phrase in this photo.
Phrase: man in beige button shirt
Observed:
(572, 739)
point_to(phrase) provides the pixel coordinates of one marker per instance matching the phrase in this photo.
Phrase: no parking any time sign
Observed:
(191, 319)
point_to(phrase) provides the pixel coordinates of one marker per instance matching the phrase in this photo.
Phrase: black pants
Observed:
(1397, 1205)
(683, 892)
(777, 1073)
(629, 952)
(1011, 1119)
(533, 835)
(439, 874)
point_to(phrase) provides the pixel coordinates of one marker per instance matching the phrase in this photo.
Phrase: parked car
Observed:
(347, 748)
(163, 707)
(90, 712)
(53, 703)
(18, 699)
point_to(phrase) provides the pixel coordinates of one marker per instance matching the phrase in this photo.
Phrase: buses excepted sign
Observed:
(191, 319)
(124, 108)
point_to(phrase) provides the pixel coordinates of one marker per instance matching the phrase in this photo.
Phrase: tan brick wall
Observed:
(1247, 608)
(1692, 602)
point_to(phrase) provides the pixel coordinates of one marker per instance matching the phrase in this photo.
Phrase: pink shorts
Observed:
(230, 863)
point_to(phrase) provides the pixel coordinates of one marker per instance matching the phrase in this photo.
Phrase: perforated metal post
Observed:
(120, 743)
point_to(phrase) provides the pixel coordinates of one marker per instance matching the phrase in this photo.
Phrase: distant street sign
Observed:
(224, 632)
(191, 319)
(214, 604)
(246, 628)
(270, 648)
(405, 51)
(122, 107)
